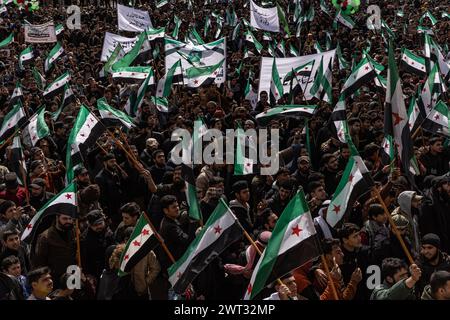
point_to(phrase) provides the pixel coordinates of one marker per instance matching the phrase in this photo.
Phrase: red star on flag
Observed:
(29, 226)
(397, 119)
(436, 117)
(126, 257)
(132, 73)
(215, 73)
(296, 230)
(92, 119)
(145, 232)
(336, 208)
(306, 68)
(412, 62)
(68, 196)
(136, 243)
(410, 125)
(367, 67)
(249, 288)
(276, 94)
(217, 229)
(422, 68)
(34, 138)
(195, 81)
(9, 125)
(179, 274)
(350, 178)
(88, 126)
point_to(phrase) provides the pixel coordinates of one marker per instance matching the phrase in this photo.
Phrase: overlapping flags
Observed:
(437, 121)
(113, 117)
(202, 76)
(276, 87)
(293, 243)
(140, 243)
(295, 111)
(56, 52)
(322, 86)
(188, 176)
(68, 97)
(250, 38)
(139, 53)
(173, 75)
(37, 127)
(64, 202)
(219, 232)
(243, 165)
(14, 119)
(131, 74)
(412, 63)
(134, 108)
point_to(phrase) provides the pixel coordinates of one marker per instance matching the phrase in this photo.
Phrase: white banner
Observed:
(285, 65)
(41, 33)
(110, 43)
(264, 18)
(131, 19)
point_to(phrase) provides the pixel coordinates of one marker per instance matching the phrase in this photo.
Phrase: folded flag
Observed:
(37, 127)
(113, 117)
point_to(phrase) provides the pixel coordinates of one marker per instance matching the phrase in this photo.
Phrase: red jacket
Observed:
(18, 198)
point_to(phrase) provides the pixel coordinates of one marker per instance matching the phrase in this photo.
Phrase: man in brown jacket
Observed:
(56, 247)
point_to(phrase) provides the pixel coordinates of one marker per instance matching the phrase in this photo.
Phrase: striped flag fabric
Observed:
(218, 233)
(17, 160)
(64, 202)
(58, 29)
(37, 127)
(131, 74)
(430, 16)
(416, 113)
(202, 76)
(276, 87)
(293, 243)
(17, 94)
(153, 34)
(363, 73)
(7, 41)
(56, 86)
(56, 52)
(141, 242)
(242, 165)
(140, 49)
(188, 176)
(294, 110)
(115, 56)
(134, 108)
(303, 70)
(113, 117)
(355, 181)
(14, 119)
(25, 57)
(437, 121)
(412, 63)
(68, 97)
(251, 40)
(161, 104)
(38, 78)
(322, 86)
(161, 3)
(176, 30)
(339, 118)
(343, 19)
(173, 75)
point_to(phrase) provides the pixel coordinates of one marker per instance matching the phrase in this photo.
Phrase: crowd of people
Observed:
(112, 191)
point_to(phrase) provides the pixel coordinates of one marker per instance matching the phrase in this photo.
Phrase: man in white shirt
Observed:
(286, 291)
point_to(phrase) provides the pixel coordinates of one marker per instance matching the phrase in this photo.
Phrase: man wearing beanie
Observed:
(431, 259)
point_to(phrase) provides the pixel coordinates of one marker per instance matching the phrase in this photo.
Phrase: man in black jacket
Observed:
(39, 196)
(111, 181)
(160, 167)
(240, 206)
(13, 247)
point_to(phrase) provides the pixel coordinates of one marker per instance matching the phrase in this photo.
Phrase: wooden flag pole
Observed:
(330, 278)
(160, 239)
(394, 227)
(77, 234)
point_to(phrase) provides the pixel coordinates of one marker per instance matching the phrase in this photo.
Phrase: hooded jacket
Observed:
(243, 214)
(405, 209)
(426, 295)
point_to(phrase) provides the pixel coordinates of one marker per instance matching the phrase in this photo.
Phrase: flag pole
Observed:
(327, 271)
(77, 234)
(160, 239)
(394, 227)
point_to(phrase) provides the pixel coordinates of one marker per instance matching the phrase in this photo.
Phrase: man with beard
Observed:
(211, 199)
(303, 171)
(94, 241)
(431, 259)
(280, 200)
(160, 167)
(56, 246)
(111, 181)
(38, 195)
(329, 170)
(82, 178)
(434, 217)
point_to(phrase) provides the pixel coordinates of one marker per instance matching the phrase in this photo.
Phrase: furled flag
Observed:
(437, 121)
(8, 40)
(17, 160)
(38, 78)
(187, 174)
(11, 121)
(17, 95)
(242, 165)
(131, 74)
(161, 104)
(429, 16)
(161, 3)
(56, 86)
(202, 76)
(68, 97)
(219, 232)
(250, 39)
(416, 113)
(115, 56)
(173, 75)
(134, 108)
(250, 94)
(344, 19)
(322, 87)
(433, 55)
(176, 30)
(339, 118)
(355, 181)
(25, 56)
(64, 202)
(396, 116)
(153, 34)
(412, 63)
(276, 87)
(37, 127)
(85, 132)
(113, 117)
(293, 243)
(432, 90)
(342, 63)
(54, 54)
(293, 111)
(141, 242)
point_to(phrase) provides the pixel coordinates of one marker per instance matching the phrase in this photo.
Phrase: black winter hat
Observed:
(432, 239)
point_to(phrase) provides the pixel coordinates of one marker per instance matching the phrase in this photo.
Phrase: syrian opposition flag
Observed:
(251, 41)
(17, 95)
(37, 127)
(113, 117)
(243, 165)
(7, 41)
(363, 73)
(63, 203)
(173, 75)
(339, 118)
(342, 63)
(432, 90)
(58, 29)
(293, 111)
(322, 87)
(131, 74)
(304, 70)
(54, 54)
(161, 104)
(17, 160)
(134, 107)
(115, 56)
(202, 76)
(397, 118)
(161, 3)
(412, 63)
(276, 87)
(138, 53)
(187, 173)
(219, 232)
(85, 132)
(250, 95)
(429, 16)
(56, 86)
(25, 56)
(293, 243)
(416, 113)
(437, 121)
(38, 78)
(344, 19)
(12, 120)
(68, 97)
(141, 242)
(153, 34)
(434, 55)
(355, 181)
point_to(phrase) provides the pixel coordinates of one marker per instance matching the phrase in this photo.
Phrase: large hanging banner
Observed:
(264, 18)
(110, 43)
(285, 65)
(40, 33)
(134, 20)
